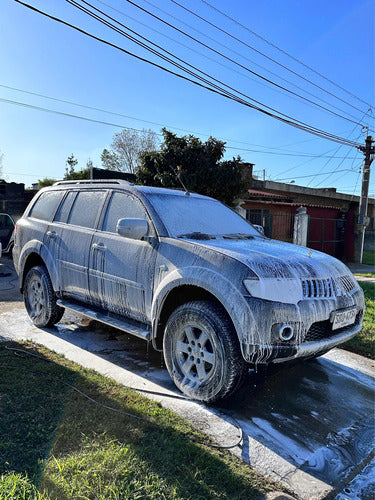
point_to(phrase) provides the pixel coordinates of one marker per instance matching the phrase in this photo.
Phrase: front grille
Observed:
(345, 283)
(323, 329)
(314, 288)
(317, 288)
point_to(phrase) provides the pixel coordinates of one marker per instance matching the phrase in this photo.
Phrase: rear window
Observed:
(64, 209)
(46, 205)
(86, 207)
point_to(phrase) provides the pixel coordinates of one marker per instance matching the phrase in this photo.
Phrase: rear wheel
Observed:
(202, 352)
(40, 298)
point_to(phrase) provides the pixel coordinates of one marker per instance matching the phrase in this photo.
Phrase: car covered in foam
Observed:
(187, 274)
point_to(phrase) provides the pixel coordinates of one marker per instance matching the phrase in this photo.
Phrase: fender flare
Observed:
(37, 247)
(214, 283)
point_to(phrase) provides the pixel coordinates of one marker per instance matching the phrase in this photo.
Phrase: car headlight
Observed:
(285, 290)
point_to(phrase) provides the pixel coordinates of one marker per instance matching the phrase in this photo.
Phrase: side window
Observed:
(64, 209)
(6, 221)
(122, 206)
(85, 208)
(46, 205)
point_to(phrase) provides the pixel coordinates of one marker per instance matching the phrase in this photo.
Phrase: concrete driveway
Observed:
(308, 425)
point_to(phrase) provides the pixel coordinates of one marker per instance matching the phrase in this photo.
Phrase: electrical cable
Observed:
(20, 352)
(111, 124)
(93, 108)
(229, 59)
(289, 55)
(226, 47)
(155, 52)
(230, 95)
(299, 125)
(316, 175)
(339, 165)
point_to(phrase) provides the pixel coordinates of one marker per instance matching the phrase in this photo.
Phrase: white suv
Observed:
(186, 273)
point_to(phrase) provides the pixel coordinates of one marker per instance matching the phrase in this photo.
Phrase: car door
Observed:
(74, 229)
(6, 230)
(122, 269)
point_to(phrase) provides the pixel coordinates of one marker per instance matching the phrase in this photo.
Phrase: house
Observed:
(332, 216)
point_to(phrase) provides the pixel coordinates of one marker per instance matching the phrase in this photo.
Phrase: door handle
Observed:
(99, 246)
(51, 234)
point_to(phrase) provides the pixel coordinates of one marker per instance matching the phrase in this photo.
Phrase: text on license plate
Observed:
(344, 318)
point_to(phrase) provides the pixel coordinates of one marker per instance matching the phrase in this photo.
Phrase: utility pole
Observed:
(368, 150)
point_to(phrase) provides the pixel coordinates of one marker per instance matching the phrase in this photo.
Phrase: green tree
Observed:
(70, 165)
(47, 181)
(197, 164)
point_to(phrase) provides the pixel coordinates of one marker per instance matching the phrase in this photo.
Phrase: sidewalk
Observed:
(357, 269)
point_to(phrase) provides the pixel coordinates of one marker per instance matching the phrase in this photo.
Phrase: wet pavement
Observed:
(308, 424)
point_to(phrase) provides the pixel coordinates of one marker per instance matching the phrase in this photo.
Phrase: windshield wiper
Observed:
(197, 235)
(238, 236)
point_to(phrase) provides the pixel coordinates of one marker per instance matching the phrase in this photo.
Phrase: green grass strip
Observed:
(100, 454)
(364, 342)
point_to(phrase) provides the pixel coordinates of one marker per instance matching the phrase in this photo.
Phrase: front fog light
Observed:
(286, 332)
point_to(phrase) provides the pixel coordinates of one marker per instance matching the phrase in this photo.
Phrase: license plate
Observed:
(344, 318)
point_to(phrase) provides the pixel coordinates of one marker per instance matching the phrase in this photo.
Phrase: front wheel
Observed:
(40, 298)
(202, 352)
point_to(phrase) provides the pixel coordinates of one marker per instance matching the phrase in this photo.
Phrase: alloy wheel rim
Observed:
(195, 353)
(36, 298)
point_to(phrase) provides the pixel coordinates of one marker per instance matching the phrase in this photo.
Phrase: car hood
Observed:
(272, 259)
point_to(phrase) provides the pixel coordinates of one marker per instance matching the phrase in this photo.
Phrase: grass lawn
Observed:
(364, 342)
(56, 444)
(368, 258)
(366, 275)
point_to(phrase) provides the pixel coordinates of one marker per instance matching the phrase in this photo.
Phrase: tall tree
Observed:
(197, 164)
(126, 148)
(70, 165)
(110, 160)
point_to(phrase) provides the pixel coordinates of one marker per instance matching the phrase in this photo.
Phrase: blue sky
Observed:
(38, 55)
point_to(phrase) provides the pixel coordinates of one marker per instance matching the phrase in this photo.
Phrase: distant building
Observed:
(12, 198)
(333, 216)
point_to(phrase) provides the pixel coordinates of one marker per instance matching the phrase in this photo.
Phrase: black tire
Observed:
(202, 352)
(40, 298)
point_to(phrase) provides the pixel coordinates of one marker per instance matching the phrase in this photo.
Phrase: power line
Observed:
(222, 45)
(111, 124)
(271, 82)
(155, 52)
(316, 175)
(289, 55)
(223, 93)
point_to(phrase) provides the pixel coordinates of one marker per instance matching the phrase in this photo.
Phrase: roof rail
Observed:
(93, 181)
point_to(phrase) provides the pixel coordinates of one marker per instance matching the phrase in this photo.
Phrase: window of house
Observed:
(122, 206)
(45, 206)
(86, 208)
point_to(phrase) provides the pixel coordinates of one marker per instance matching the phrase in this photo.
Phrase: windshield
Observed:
(199, 218)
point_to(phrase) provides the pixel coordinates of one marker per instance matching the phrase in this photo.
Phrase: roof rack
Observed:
(93, 181)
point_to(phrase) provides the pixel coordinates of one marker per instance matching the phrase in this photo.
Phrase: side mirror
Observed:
(259, 228)
(135, 229)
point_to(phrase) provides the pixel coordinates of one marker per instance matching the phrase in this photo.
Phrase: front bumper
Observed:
(280, 354)
(313, 328)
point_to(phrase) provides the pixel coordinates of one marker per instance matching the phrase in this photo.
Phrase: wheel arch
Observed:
(174, 298)
(35, 254)
(199, 284)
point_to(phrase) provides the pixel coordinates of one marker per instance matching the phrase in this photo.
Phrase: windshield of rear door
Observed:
(190, 216)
